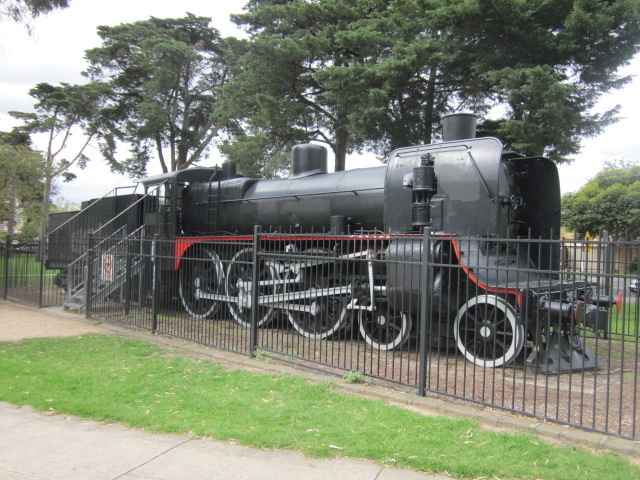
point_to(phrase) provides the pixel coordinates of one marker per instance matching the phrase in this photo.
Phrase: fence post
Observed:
(154, 284)
(255, 278)
(127, 281)
(41, 254)
(6, 267)
(425, 310)
(608, 263)
(88, 282)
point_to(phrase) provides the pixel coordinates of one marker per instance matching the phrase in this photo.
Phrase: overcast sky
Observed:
(55, 53)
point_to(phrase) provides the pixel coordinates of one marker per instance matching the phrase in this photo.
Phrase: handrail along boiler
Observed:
(466, 190)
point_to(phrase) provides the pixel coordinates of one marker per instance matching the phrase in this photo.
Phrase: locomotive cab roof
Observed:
(190, 175)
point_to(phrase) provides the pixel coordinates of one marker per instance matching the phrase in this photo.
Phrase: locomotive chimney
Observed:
(459, 126)
(308, 159)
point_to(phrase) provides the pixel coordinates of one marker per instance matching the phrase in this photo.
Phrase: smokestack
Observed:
(459, 126)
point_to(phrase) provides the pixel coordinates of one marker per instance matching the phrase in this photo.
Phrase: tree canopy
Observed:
(23, 11)
(380, 74)
(163, 76)
(60, 112)
(21, 177)
(611, 202)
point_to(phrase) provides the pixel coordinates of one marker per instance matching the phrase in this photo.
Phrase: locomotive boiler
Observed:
(490, 289)
(464, 186)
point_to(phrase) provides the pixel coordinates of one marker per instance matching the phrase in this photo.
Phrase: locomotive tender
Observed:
(465, 190)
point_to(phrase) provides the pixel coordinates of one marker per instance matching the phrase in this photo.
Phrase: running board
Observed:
(280, 300)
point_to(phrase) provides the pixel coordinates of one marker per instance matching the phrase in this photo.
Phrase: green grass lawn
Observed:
(21, 267)
(23, 270)
(626, 321)
(142, 385)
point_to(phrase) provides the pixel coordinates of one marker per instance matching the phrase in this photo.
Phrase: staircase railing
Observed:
(112, 193)
(141, 201)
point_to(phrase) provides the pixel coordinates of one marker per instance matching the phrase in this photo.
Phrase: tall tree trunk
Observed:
(11, 222)
(429, 108)
(49, 172)
(46, 208)
(340, 149)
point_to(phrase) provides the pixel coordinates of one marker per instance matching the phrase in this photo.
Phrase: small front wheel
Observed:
(487, 332)
(384, 328)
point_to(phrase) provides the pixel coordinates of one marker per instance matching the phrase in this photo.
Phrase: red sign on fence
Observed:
(107, 267)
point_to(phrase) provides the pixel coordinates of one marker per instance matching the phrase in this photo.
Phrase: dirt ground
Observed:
(19, 322)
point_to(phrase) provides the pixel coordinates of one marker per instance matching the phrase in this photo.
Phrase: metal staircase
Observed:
(113, 266)
(116, 258)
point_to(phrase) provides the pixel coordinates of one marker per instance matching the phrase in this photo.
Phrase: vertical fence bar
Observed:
(255, 278)
(41, 285)
(128, 276)
(6, 267)
(425, 310)
(155, 296)
(608, 276)
(608, 262)
(88, 282)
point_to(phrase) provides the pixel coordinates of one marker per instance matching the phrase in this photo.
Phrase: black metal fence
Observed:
(24, 276)
(472, 319)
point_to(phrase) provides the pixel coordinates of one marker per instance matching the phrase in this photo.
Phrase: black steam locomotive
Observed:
(465, 190)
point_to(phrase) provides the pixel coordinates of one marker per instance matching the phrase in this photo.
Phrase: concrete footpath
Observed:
(39, 446)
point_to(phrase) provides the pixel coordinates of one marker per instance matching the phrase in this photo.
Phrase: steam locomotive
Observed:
(466, 191)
